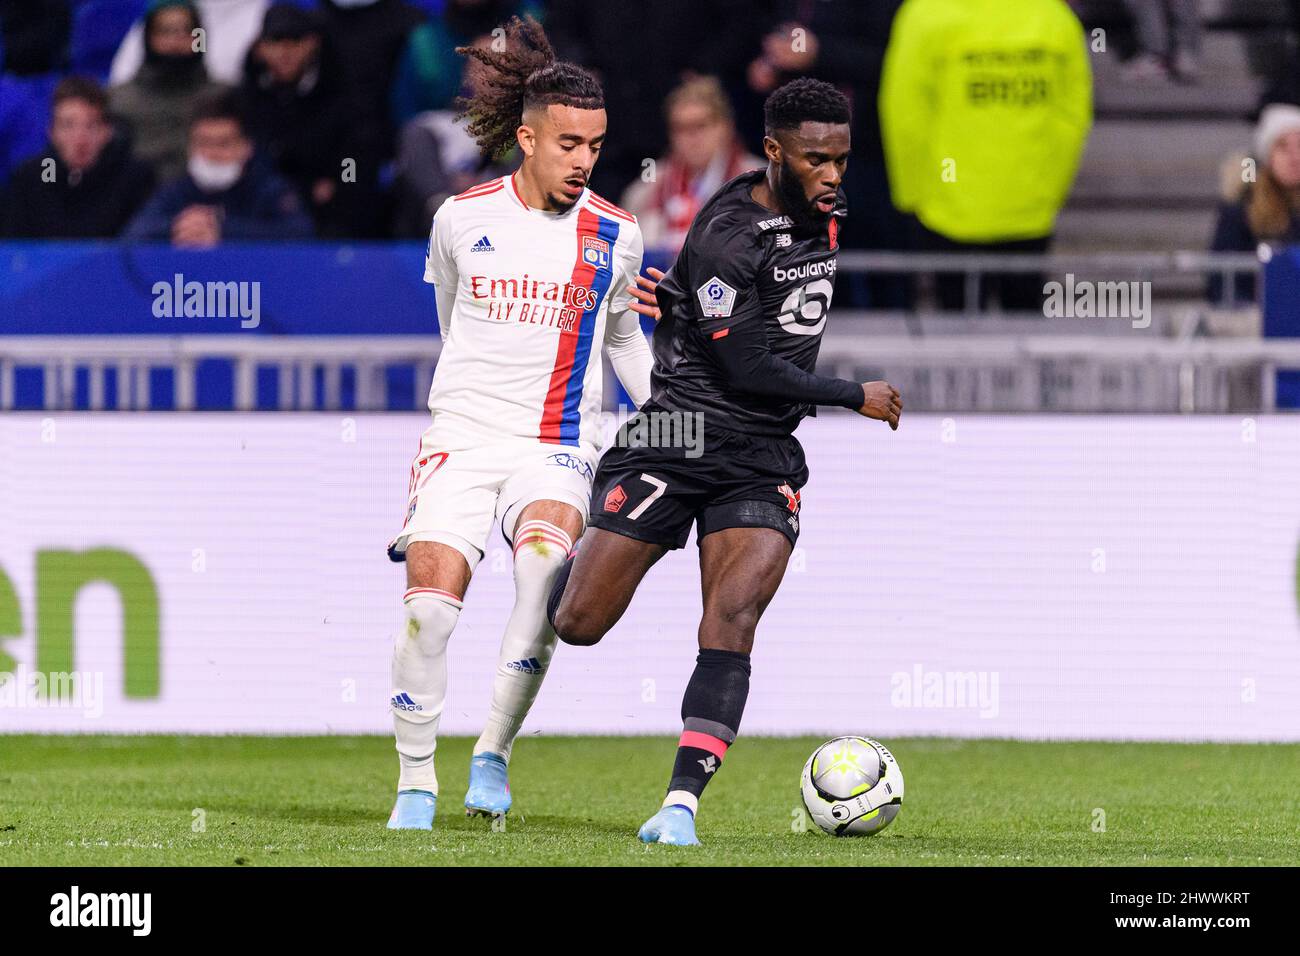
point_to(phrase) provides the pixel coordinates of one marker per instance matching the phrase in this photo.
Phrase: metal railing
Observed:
(1173, 268)
(941, 360)
(295, 359)
(1018, 367)
(1067, 372)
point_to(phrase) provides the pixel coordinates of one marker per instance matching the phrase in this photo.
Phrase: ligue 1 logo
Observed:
(716, 298)
(595, 252)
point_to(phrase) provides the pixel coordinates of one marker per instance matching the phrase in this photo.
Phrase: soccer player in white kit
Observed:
(533, 274)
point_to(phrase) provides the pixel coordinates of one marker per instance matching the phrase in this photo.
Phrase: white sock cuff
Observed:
(436, 593)
(683, 798)
(535, 531)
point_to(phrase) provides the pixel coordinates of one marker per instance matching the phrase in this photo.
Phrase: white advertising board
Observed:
(1041, 577)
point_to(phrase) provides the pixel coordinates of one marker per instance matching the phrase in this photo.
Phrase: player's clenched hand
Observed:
(644, 292)
(880, 400)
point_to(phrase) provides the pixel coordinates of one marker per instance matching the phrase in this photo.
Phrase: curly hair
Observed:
(804, 100)
(524, 75)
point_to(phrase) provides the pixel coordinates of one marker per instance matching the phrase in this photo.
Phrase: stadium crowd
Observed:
(198, 121)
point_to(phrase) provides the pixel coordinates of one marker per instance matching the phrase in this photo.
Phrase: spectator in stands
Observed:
(33, 49)
(296, 114)
(843, 42)
(642, 51)
(157, 102)
(1168, 38)
(376, 41)
(34, 37)
(226, 193)
(437, 158)
(1284, 76)
(428, 75)
(229, 28)
(92, 187)
(703, 153)
(1263, 208)
(985, 107)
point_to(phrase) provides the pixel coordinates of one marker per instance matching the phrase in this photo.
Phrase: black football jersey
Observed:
(742, 262)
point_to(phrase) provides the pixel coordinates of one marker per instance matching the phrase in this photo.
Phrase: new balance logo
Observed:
(483, 245)
(403, 702)
(709, 763)
(529, 665)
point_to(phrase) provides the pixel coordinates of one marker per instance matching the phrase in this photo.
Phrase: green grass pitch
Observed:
(266, 801)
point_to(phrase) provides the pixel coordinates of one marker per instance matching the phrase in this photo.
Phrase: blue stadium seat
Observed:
(24, 118)
(98, 27)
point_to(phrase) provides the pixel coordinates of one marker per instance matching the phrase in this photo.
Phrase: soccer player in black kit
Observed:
(741, 316)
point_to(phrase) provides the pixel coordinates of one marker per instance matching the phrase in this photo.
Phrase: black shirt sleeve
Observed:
(720, 277)
(716, 273)
(743, 353)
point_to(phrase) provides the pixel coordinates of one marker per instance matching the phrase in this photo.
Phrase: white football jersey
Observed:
(521, 353)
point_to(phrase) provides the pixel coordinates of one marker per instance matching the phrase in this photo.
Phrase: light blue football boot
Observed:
(674, 825)
(413, 810)
(489, 787)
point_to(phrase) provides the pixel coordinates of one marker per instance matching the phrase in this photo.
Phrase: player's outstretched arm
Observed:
(744, 355)
(629, 353)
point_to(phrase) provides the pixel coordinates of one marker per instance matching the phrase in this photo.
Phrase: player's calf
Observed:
(573, 623)
(596, 584)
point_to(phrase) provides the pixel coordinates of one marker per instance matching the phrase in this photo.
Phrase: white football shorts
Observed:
(455, 495)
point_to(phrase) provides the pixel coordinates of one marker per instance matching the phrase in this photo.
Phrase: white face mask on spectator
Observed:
(213, 177)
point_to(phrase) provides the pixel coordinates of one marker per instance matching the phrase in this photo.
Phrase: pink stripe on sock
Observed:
(538, 535)
(693, 738)
(531, 527)
(435, 592)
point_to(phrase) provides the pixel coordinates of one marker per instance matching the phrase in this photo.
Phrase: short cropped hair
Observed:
(802, 101)
(81, 88)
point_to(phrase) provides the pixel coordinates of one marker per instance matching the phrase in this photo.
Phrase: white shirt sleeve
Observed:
(625, 343)
(440, 266)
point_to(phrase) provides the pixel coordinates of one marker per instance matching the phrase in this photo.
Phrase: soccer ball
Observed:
(852, 786)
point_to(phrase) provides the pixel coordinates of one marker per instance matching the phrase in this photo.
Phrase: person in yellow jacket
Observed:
(985, 107)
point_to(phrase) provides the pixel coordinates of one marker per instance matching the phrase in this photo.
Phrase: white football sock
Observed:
(683, 798)
(420, 683)
(529, 641)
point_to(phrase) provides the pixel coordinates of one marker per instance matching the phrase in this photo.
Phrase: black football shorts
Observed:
(662, 475)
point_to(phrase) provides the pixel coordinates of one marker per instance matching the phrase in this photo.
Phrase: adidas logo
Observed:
(483, 245)
(403, 702)
(529, 665)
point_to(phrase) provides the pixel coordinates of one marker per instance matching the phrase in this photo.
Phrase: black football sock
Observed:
(711, 710)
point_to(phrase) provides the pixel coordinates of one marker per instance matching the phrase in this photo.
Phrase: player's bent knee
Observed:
(577, 628)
